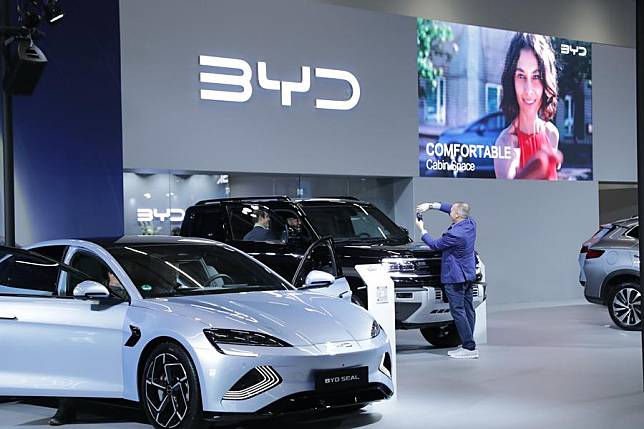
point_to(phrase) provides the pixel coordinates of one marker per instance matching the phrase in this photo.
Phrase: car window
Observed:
(208, 224)
(22, 274)
(170, 270)
(319, 256)
(253, 222)
(294, 225)
(97, 269)
(495, 123)
(634, 233)
(353, 222)
(57, 253)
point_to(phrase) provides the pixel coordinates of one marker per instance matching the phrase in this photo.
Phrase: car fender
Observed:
(153, 327)
(614, 274)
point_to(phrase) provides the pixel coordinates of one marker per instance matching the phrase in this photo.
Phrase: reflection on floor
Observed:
(556, 367)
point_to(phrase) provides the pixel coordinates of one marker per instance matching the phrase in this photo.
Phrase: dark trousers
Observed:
(461, 305)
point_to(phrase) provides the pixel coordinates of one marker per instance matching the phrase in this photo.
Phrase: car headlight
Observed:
(375, 329)
(397, 265)
(242, 338)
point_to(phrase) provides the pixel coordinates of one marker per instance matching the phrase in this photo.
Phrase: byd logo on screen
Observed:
(574, 50)
(286, 88)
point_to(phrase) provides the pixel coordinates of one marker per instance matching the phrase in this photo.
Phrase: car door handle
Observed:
(8, 317)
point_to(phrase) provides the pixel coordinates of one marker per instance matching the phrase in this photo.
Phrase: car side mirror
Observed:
(90, 289)
(316, 279)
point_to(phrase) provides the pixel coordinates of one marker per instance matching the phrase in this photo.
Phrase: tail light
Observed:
(593, 253)
(583, 249)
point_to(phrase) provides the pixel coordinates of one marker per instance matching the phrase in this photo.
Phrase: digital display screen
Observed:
(502, 104)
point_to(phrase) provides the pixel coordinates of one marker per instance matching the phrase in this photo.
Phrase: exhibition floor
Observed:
(562, 366)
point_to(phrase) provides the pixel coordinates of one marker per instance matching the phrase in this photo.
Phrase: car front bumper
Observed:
(296, 367)
(417, 306)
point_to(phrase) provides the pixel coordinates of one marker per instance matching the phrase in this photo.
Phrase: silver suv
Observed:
(610, 271)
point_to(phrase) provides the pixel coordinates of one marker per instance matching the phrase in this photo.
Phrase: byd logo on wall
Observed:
(286, 88)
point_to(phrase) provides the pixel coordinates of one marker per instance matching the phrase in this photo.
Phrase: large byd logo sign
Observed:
(286, 88)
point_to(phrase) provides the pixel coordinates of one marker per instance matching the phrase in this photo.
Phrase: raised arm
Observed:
(507, 168)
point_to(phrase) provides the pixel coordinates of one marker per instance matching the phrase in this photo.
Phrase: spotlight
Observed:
(53, 12)
(24, 68)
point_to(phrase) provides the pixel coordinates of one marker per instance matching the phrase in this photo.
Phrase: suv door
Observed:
(259, 231)
(57, 345)
(321, 256)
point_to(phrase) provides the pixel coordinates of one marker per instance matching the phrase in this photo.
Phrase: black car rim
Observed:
(627, 306)
(167, 391)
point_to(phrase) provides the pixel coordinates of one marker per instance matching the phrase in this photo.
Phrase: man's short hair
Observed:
(462, 209)
(260, 214)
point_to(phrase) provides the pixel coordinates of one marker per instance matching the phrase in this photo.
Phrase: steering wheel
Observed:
(218, 276)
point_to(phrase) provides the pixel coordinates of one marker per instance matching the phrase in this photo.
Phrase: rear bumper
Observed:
(305, 403)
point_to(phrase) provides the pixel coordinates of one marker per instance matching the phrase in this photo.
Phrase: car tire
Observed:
(442, 336)
(624, 306)
(174, 403)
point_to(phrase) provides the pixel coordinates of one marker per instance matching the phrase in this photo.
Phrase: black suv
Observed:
(278, 231)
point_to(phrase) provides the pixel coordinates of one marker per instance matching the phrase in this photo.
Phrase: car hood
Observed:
(380, 251)
(299, 318)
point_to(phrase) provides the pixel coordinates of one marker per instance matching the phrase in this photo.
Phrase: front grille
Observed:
(416, 281)
(314, 401)
(425, 267)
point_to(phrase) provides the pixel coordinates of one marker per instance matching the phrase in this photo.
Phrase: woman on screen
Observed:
(529, 101)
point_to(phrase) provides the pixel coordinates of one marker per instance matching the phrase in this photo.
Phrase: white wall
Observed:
(529, 232)
(601, 21)
(614, 114)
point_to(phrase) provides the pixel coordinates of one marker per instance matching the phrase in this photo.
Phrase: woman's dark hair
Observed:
(545, 54)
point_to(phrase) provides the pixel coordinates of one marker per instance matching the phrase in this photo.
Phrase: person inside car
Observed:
(261, 230)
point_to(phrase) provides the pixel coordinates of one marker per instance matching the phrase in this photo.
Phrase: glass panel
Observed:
(146, 202)
(252, 222)
(158, 270)
(27, 275)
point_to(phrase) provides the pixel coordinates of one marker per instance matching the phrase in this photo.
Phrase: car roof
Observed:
(126, 240)
(628, 222)
(283, 199)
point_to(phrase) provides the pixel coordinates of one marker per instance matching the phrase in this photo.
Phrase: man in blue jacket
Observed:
(458, 269)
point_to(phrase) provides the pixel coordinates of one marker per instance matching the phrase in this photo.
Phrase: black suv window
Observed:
(353, 222)
(634, 233)
(294, 225)
(208, 223)
(22, 274)
(253, 222)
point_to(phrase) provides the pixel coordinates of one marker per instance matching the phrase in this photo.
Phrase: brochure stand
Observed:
(381, 297)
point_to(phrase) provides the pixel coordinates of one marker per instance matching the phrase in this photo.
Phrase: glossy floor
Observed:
(560, 366)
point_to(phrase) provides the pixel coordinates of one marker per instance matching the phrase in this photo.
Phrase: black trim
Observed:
(309, 402)
(134, 337)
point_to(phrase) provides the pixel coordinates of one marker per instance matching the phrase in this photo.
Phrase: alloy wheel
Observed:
(627, 306)
(167, 391)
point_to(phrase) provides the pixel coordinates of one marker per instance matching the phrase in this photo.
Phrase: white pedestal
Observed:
(382, 301)
(480, 327)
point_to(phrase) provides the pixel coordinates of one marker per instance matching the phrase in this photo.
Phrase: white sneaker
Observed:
(464, 354)
(451, 352)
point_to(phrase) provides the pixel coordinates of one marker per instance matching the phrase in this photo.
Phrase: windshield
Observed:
(354, 222)
(172, 270)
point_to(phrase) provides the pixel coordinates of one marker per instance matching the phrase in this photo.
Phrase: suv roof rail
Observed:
(338, 197)
(219, 200)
